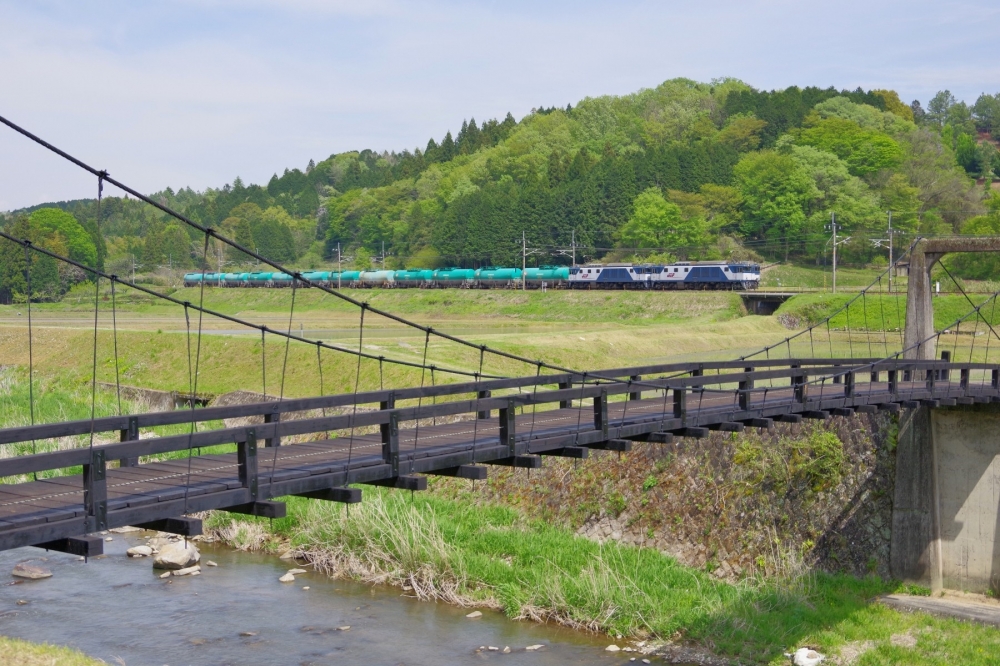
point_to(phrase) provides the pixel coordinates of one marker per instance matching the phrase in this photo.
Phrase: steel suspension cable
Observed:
(284, 369)
(114, 332)
(420, 398)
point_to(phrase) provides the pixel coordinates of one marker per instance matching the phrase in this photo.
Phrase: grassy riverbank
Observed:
(491, 556)
(23, 653)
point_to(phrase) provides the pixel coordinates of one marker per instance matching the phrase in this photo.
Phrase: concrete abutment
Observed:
(946, 509)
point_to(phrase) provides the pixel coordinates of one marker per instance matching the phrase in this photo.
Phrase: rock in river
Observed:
(23, 570)
(139, 551)
(177, 555)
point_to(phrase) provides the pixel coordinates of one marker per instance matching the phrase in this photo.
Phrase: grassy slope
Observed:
(14, 651)
(492, 556)
(881, 312)
(619, 329)
(815, 277)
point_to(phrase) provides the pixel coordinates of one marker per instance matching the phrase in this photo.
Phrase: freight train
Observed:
(680, 275)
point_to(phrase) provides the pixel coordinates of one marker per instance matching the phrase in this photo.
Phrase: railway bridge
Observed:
(125, 469)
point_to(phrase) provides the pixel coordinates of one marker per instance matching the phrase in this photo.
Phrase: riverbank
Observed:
(23, 653)
(483, 555)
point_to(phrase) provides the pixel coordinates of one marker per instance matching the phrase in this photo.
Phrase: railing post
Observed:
(849, 385)
(995, 382)
(874, 377)
(565, 404)
(836, 378)
(680, 404)
(963, 379)
(745, 387)
(390, 442)
(945, 374)
(273, 417)
(95, 491)
(389, 402)
(601, 412)
(130, 435)
(246, 460)
(635, 395)
(507, 427)
(799, 385)
(893, 384)
(485, 413)
(931, 375)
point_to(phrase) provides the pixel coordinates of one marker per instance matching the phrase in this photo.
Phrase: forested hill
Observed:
(688, 170)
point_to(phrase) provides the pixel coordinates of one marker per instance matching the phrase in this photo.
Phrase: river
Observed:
(119, 610)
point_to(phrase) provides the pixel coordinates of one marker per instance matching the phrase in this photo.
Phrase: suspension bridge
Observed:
(330, 447)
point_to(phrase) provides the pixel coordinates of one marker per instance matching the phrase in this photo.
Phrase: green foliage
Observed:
(815, 461)
(767, 168)
(51, 222)
(657, 223)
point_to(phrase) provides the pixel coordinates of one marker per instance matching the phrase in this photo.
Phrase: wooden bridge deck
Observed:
(53, 512)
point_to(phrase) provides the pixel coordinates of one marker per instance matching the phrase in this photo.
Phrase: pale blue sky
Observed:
(196, 92)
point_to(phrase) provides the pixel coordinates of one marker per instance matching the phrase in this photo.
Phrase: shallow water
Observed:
(117, 608)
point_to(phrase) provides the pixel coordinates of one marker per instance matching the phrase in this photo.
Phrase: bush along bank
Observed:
(458, 544)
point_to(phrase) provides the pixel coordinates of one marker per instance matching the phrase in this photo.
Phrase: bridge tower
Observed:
(918, 339)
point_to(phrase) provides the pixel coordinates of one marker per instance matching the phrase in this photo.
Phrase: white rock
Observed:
(506, 649)
(296, 572)
(125, 530)
(807, 657)
(474, 614)
(31, 572)
(305, 587)
(287, 578)
(532, 648)
(493, 648)
(186, 571)
(210, 563)
(176, 555)
(139, 551)
(288, 555)
(109, 538)
(165, 575)
(346, 627)
(612, 648)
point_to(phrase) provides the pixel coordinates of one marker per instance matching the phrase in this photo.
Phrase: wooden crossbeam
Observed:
(526, 462)
(866, 409)
(818, 414)
(842, 411)
(727, 426)
(789, 418)
(659, 438)
(694, 432)
(342, 495)
(620, 445)
(403, 482)
(579, 452)
(474, 472)
(83, 546)
(182, 525)
(759, 423)
(262, 508)
(889, 407)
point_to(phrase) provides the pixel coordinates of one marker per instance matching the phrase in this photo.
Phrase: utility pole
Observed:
(524, 259)
(573, 242)
(890, 251)
(383, 255)
(833, 223)
(339, 270)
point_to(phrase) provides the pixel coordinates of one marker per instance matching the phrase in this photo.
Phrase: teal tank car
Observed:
(492, 277)
(454, 277)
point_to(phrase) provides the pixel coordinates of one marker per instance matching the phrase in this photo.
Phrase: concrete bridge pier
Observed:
(946, 509)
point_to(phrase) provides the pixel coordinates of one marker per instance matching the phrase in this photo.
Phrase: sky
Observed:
(197, 92)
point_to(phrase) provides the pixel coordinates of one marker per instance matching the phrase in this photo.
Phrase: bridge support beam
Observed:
(85, 546)
(183, 526)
